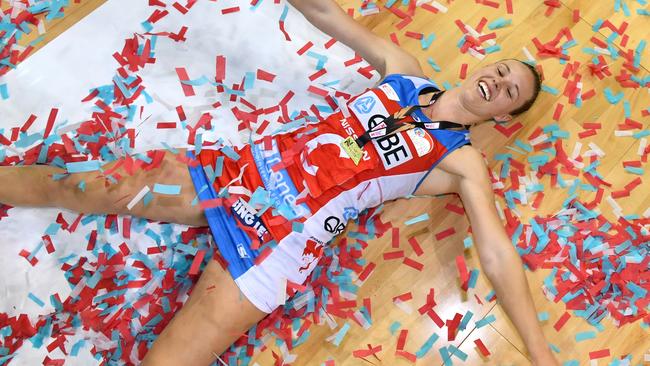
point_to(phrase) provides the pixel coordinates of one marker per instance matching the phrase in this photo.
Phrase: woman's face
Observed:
(497, 89)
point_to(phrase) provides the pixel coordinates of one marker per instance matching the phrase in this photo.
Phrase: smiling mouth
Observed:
(484, 90)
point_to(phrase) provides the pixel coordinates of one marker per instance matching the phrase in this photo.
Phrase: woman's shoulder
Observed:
(408, 80)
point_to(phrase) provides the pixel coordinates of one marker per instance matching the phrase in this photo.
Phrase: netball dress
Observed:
(312, 184)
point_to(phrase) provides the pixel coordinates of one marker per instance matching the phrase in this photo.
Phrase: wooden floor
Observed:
(391, 278)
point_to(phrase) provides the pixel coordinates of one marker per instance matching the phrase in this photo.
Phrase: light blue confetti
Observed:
(169, 189)
(394, 327)
(423, 217)
(38, 301)
(341, 333)
(499, 23)
(4, 91)
(582, 336)
(83, 166)
(485, 321)
(427, 346)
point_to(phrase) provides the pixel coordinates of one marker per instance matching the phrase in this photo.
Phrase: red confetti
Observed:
(401, 340)
(180, 8)
(48, 244)
(416, 246)
(455, 209)
(558, 111)
(599, 354)
(164, 125)
(481, 347)
(234, 9)
(361, 353)
(445, 233)
(462, 270)
(220, 74)
(28, 123)
(413, 264)
(196, 263)
(182, 75)
(463, 71)
(560, 322)
(452, 326)
(408, 355)
(266, 76)
(403, 297)
(317, 74)
(510, 130)
(50, 122)
(304, 48)
(490, 3)
(576, 15)
(436, 318)
(394, 255)
(395, 237)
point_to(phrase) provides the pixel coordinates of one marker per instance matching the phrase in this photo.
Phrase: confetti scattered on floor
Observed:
(122, 295)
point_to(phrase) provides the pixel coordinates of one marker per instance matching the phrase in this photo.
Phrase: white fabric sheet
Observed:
(64, 71)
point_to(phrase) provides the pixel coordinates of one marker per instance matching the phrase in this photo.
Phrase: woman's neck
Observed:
(448, 108)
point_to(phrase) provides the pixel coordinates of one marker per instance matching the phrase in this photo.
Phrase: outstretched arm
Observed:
(385, 56)
(465, 172)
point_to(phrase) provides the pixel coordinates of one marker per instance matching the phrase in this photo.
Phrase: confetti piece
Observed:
(188, 91)
(499, 23)
(83, 166)
(485, 321)
(463, 71)
(581, 336)
(394, 327)
(145, 190)
(561, 321)
(417, 219)
(4, 91)
(167, 189)
(416, 246)
(340, 334)
(361, 353)
(479, 344)
(394, 255)
(35, 299)
(599, 354)
(445, 233)
(230, 10)
(196, 262)
(413, 264)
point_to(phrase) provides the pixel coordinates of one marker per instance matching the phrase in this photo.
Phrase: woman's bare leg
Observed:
(215, 315)
(33, 186)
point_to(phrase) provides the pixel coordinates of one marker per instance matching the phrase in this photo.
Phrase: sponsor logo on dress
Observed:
(278, 182)
(389, 91)
(350, 213)
(333, 225)
(365, 104)
(392, 148)
(241, 249)
(248, 216)
(422, 140)
(311, 253)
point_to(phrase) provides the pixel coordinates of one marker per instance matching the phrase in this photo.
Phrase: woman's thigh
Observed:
(113, 198)
(215, 315)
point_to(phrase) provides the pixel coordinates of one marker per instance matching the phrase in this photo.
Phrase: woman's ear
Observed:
(503, 118)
